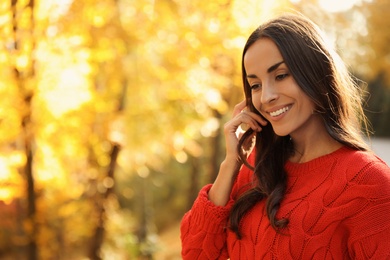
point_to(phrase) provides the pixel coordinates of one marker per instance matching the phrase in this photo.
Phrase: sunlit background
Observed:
(111, 113)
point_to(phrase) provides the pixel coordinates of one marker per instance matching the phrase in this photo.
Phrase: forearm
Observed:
(219, 193)
(222, 187)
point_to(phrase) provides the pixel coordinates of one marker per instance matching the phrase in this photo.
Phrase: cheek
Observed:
(307, 104)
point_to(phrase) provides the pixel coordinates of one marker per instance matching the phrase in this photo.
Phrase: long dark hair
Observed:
(321, 74)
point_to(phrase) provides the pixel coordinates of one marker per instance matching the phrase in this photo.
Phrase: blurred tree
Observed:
(22, 48)
(374, 63)
(378, 106)
(374, 58)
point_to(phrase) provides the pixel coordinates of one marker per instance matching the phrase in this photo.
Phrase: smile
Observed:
(279, 111)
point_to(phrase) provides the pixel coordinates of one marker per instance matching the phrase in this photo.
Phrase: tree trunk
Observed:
(28, 137)
(98, 237)
(99, 233)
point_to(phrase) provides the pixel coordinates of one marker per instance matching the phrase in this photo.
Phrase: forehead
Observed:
(261, 55)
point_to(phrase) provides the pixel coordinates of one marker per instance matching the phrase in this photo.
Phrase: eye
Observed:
(255, 87)
(281, 76)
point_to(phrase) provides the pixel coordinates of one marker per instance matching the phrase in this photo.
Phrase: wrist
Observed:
(231, 162)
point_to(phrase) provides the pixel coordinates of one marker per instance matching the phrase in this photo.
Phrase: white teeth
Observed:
(278, 112)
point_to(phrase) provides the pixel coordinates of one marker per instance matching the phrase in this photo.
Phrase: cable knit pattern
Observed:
(338, 207)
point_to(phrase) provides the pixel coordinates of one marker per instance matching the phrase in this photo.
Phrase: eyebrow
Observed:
(269, 70)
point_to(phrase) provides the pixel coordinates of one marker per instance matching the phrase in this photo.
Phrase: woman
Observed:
(315, 191)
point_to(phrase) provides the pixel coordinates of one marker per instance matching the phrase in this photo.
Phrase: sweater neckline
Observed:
(302, 168)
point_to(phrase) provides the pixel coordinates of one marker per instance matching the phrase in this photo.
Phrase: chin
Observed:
(281, 132)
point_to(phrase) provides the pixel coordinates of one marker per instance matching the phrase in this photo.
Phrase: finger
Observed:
(239, 107)
(247, 122)
(257, 117)
(252, 120)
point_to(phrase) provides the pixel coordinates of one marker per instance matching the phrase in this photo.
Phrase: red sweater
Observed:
(338, 207)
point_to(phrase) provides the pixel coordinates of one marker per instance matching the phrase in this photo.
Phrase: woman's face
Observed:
(275, 94)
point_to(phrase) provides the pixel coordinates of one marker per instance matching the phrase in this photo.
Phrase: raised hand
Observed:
(220, 191)
(242, 119)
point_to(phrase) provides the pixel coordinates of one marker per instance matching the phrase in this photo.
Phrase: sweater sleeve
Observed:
(204, 228)
(370, 226)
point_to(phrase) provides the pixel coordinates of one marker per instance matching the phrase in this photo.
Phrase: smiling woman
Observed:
(311, 188)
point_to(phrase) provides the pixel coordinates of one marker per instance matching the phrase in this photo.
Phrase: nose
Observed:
(268, 93)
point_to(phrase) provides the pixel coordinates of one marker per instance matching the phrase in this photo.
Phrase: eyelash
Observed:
(281, 76)
(278, 78)
(255, 86)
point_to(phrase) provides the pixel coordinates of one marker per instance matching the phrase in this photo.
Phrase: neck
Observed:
(313, 144)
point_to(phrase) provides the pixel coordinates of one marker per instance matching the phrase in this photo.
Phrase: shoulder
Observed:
(368, 195)
(364, 167)
(366, 181)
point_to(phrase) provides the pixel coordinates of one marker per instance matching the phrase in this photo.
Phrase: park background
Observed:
(111, 113)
